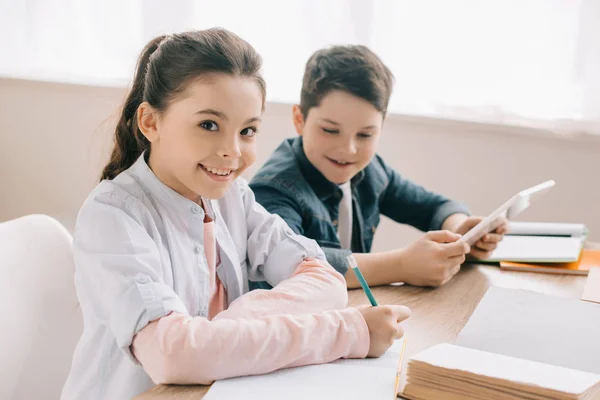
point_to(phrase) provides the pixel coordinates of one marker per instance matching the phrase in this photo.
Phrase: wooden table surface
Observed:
(438, 315)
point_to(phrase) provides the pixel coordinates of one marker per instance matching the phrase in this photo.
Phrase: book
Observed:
(370, 378)
(451, 372)
(589, 259)
(517, 344)
(540, 242)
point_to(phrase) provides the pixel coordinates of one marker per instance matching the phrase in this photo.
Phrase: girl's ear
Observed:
(298, 119)
(147, 121)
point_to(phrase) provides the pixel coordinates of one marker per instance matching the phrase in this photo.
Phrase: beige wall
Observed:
(54, 139)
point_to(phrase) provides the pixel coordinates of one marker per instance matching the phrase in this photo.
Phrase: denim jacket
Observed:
(290, 186)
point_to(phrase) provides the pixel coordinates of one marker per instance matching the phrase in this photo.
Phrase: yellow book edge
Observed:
(589, 259)
(399, 370)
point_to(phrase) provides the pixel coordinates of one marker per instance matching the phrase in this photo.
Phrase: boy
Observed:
(330, 185)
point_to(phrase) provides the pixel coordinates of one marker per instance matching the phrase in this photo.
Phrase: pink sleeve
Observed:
(184, 350)
(262, 331)
(314, 287)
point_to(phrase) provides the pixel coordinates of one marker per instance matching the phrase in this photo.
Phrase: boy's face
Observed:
(340, 136)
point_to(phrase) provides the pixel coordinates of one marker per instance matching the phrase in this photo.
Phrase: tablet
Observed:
(509, 210)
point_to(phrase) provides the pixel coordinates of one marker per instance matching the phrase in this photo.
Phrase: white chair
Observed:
(39, 312)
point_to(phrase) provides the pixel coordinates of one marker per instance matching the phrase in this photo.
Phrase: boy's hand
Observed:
(484, 247)
(384, 326)
(433, 259)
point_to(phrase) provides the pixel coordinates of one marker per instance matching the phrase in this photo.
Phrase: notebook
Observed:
(541, 242)
(371, 378)
(517, 344)
(588, 260)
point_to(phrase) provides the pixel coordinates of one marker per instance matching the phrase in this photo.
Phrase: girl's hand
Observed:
(384, 326)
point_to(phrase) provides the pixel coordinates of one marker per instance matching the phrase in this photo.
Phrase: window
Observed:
(524, 62)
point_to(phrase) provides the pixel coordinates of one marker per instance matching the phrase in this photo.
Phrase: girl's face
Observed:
(207, 137)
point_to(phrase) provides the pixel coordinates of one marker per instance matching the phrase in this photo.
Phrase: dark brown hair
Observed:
(354, 69)
(164, 69)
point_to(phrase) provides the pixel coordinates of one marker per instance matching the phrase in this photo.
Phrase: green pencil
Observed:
(352, 264)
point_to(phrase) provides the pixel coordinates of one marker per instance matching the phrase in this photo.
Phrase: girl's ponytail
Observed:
(129, 141)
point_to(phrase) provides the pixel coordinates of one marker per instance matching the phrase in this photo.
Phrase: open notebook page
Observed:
(371, 378)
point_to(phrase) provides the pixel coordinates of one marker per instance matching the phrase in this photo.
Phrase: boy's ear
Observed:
(298, 119)
(147, 121)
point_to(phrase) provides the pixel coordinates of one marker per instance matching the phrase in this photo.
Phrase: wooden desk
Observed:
(438, 315)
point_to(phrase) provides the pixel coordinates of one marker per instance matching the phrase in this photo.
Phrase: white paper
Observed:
(537, 327)
(591, 290)
(361, 379)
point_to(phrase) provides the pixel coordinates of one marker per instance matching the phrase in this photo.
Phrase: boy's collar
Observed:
(323, 187)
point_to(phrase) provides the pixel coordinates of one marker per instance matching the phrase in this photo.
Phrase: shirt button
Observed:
(141, 278)
(196, 209)
(198, 248)
(335, 222)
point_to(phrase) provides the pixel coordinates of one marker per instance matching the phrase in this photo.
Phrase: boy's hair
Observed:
(165, 67)
(354, 69)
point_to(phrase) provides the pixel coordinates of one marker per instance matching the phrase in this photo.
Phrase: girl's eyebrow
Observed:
(222, 115)
(216, 113)
(253, 119)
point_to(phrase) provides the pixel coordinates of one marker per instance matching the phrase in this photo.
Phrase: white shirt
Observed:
(345, 217)
(139, 255)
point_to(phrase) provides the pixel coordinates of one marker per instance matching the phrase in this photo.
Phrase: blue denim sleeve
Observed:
(337, 258)
(406, 202)
(277, 202)
(288, 207)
